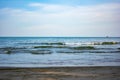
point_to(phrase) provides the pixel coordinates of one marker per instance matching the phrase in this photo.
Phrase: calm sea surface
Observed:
(59, 51)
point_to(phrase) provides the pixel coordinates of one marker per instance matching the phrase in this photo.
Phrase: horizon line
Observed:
(61, 36)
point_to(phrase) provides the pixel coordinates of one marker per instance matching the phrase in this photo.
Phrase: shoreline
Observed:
(42, 67)
(61, 73)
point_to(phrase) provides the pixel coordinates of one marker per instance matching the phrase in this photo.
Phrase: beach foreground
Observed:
(61, 73)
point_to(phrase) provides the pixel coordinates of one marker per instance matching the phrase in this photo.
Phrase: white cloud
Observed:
(51, 7)
(61, 20)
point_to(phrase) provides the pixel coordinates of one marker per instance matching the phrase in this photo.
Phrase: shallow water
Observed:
(27, 52)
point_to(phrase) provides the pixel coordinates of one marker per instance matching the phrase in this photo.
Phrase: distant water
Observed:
(59, 51)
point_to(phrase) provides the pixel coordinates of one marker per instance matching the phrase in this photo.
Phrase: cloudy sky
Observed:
(83, 18)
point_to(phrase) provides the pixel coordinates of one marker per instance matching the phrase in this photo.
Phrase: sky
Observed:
(60, 18)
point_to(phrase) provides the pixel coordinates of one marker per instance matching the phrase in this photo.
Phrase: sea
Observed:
(59, 51)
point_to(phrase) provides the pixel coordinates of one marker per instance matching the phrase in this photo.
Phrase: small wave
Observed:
(42, 46)
(51, 46)
(69, 51)
(44, 43)
(12, 48)
(84, 48)
(90, 43)
(40, 51)
(106, 43)
(54, 43)
(9, 50)
(29, 43)
(86, 51)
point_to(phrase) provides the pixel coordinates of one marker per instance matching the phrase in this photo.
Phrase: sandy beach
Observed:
(61, 73)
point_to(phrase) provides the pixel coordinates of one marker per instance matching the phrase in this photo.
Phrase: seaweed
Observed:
(106, 43)
(8, 52)
(97, 43)
(70, 52)
(57, 43)
(50, 46)
(11, 48)
(84, 48)
(43, 46)
(41, 52)
(60, 46)
(118, 48)
(109, 43)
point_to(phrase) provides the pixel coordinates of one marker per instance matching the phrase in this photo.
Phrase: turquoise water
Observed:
(29, 51)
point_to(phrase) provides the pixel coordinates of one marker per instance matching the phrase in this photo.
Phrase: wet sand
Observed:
(61, 73)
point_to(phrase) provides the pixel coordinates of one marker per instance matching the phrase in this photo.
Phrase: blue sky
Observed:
(60, 18)
(22, 3)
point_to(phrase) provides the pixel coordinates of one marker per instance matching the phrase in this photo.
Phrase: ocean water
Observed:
(59, 51)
